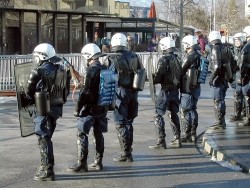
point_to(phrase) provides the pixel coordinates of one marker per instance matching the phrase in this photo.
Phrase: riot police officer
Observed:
(168, 73)
(190, 89)
(89, 112)
(239, 41)
(245, 75)
(50, 78)
(126, 63)
(222, 61)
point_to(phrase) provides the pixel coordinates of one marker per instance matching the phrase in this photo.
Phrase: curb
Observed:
(218, 152)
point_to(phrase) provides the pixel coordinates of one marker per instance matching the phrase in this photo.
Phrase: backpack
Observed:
(203, 70)
(107, 88)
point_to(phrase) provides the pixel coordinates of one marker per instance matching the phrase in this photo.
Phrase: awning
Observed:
(102, 19)
(166, 26)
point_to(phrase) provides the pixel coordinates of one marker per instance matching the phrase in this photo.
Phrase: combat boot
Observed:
(160, 144)
(246, 122)
(193, 138)
(193, 133)
(186, 138)
(81, 166)
(46, 170)
(97, 164)
(123, 158)
(220, 118)
(219, 125)
(44, 174)
(236, 117)
(125, 144)
(175, 143)
(237, 109)
(82, 154)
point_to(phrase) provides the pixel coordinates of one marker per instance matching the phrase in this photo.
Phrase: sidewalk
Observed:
(231, 144)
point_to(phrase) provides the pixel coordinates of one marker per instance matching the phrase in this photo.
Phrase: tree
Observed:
(199, 13)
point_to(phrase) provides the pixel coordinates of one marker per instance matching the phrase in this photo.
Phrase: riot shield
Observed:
(24, 106)
(150, 71)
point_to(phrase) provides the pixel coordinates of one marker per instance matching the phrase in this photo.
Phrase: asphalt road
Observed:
(185, 167)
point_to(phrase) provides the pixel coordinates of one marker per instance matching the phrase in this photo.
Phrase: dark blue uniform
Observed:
(91, 115)
(239, 104)
(189, 98)
(245, 80)
(126, 63)
(54, 78)
(222, 60)
(167, 74)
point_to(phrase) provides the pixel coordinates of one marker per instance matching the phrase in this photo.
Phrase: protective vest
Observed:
(107, 87)
(168, 72)
(190, 70)
(89, 92)
(53, 78)
(57, 84)
(203, 70)
(223, 62)
(126, 64)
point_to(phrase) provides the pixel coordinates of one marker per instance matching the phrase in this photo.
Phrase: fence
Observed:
(7, 63)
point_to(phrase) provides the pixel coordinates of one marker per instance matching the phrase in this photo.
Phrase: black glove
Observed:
(26, 100)
(76, 114)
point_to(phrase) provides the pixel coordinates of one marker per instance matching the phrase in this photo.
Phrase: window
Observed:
(100, 2)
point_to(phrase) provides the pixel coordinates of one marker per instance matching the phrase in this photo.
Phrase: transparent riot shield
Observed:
(25, 107)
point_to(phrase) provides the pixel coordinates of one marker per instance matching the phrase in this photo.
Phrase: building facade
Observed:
(62, 23)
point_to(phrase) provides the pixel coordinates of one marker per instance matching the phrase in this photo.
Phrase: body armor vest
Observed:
(223, 62)
(56, 83)
(126, 64)
(168, 72)
(190, 68)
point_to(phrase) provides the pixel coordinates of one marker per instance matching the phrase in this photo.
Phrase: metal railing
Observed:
(7, 63)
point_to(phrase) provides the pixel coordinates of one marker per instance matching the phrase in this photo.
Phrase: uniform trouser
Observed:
(219, 93)
(125, 112)
(167, 100)
(99, 124)
(189, 115)
(44, 129)
(246, 93)
(238, 97)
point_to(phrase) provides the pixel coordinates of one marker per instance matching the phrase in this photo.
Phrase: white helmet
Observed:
(247, 31)
(241, 37)
(214, 35)
(166, 43)
(118, 39)
(189, 41)
(43, 52)
(90, 50)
